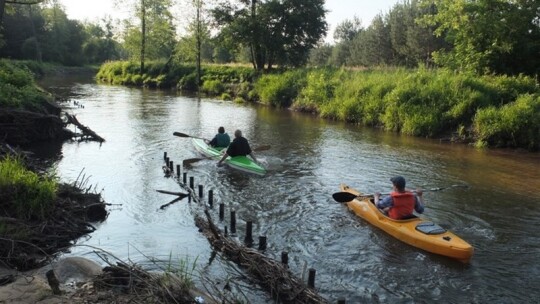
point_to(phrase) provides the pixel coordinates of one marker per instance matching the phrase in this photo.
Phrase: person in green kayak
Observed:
(221, 140)
(238, 147)
(401, 203)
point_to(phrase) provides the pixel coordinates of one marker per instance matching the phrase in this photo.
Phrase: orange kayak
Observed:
(417, 232)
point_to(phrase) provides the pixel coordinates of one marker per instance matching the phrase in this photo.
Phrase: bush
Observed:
(213, 87)
(18, 89)
(516, 124)
(280, 89)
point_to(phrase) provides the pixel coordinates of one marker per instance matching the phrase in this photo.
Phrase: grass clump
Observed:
(27, 194)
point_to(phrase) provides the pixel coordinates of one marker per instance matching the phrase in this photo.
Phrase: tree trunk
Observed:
(143, 34)
(2, 7)
(198, 36)
(38, 47)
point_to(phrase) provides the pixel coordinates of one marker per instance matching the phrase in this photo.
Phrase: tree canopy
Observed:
(276, 31)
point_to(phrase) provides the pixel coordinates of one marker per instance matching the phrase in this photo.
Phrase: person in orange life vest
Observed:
(400, 203)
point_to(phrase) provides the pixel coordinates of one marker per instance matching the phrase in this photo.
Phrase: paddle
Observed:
(344, 197)
(189, 161)
(186, 135)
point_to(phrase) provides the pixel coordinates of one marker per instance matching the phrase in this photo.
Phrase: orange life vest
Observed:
(403, 204)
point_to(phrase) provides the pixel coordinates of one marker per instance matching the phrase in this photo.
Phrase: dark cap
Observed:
(398, 181)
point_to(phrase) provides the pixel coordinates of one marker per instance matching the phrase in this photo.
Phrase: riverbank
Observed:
(487, 111)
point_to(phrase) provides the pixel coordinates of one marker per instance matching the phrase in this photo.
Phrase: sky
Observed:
(338, 10)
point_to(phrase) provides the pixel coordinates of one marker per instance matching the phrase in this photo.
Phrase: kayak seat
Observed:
(430, 228)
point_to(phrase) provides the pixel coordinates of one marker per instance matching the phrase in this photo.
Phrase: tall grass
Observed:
(515, 124)
(29, 195)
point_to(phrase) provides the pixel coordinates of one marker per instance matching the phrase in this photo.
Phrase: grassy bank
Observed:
(18, 89)
(26, 194)
(491, 111)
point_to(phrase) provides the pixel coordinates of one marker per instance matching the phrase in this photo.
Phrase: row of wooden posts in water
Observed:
(198, 196)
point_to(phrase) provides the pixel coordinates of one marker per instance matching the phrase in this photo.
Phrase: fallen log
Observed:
(85, 130)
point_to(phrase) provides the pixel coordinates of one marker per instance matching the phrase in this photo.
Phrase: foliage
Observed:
(213, 87)
(280, 89)
(516, 124)
(32, 196)
(497, 36)
(277, 32)
(44, 33)
(17, 87)
(423, 102)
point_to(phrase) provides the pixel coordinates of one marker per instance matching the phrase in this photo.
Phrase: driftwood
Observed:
(43, 238)
(267, 272)
(85, 130)
(180, 197)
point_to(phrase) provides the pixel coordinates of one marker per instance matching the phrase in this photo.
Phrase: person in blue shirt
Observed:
(221, 140)
(238, 147)
(400, 203)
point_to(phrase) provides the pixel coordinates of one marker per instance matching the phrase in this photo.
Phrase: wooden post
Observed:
(178, 171)
(164, 155)
(211, 198)
(184, 178)
(171, 165)
(341, 301)
(200, 191)
(233, 222)
(262, 242)
(285, 258)
(191, 183)
(221, 211)
(226, 233)
(167, 161)
(311, 278)
(249, 233)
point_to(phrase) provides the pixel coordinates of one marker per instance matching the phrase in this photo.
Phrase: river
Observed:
(292, 205)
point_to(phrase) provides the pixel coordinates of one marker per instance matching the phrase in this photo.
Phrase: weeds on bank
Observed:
(30, 195)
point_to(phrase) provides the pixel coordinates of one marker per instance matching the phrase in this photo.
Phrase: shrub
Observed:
(516, 124)
(213, 87)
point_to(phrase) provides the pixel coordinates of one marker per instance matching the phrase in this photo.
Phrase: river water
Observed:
(292, 205)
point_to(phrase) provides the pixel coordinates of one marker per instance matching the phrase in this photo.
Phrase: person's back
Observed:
(401, 203)
(239, 147)
(221, 140)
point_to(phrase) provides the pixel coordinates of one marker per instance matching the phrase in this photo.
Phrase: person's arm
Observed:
(253, 156)
(225, 155)
(419, 201)
(213, 142)
(385, 204)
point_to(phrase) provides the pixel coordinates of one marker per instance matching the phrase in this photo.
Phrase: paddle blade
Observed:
(180, 134)
(343, 197)
(189, 161)
(261, 148)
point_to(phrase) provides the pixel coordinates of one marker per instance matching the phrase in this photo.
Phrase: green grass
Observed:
(29, 195)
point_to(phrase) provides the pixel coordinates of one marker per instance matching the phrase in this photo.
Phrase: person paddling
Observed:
(221, 140)
(238, 147)
(401, 203)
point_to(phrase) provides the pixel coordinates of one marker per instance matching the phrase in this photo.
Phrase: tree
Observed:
(500, 36)
(348, 29)
(154, 37)
(276, 31)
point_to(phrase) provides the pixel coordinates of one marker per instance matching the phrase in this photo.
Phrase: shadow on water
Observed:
(292, 204)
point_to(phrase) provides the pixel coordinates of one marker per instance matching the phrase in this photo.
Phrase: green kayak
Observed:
(242, 163)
